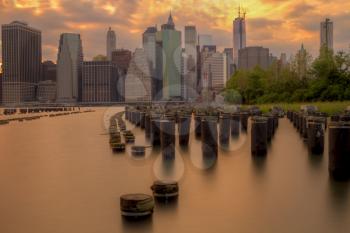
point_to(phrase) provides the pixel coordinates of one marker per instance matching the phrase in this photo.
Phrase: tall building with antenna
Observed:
(327, 34)
(111, 43)
(239, 33)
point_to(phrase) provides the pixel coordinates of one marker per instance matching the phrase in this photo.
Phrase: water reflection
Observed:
(202, 162)
(315, 160)
(169, 205)
(144, 224)
(339, 195)
(259, 164)
(169, 169)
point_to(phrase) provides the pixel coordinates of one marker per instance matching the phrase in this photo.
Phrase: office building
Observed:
(111, 43)
(230, 68)
(47, 91)
(149, 42)
(99, 82)
(214, 70)
(190, 63)
(69, 62)
(239, 34)
(157, 82)
(301, 59)
(49, 71)
(250, 57)
(327, 34)
(121, 58)
(170, 41)
(138, 82)
(283, 59)
(149, 45)
(21, 57)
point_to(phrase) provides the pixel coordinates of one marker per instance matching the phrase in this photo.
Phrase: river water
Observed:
(58, 175)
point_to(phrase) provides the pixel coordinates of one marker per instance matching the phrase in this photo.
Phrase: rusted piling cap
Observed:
(339, 124)
(165, 188)
(259, 119)
(136, 205)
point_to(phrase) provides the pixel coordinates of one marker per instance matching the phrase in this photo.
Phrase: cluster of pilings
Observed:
(263, 130)
(54, 112)
(211, 126)
(12, 111)
(116, 126)
(311, 126)
(159, 125)
(231, 124)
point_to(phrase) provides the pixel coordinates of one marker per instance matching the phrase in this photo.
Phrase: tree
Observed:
(100, 58)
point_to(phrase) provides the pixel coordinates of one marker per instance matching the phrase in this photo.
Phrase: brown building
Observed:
(99, 82)
(121, 58)
(49, 71)
(250, 57)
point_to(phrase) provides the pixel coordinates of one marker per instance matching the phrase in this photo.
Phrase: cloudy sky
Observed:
(281, 25)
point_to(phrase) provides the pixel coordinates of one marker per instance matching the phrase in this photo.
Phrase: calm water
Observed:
(59, 175)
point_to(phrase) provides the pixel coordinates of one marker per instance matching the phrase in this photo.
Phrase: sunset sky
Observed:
(281, 25)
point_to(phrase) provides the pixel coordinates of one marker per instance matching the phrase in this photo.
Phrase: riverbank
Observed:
(327, 107)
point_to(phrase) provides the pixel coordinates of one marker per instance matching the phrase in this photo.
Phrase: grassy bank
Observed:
(328, 107)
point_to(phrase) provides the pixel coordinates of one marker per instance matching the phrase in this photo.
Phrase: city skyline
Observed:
(282, 27)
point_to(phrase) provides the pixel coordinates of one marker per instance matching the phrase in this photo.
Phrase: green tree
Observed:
(100, 58)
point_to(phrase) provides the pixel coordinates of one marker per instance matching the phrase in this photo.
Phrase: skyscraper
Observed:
(138, 82)
(149, 43)
(250, 57)
(21, 54)
(214, 70)
(229, 62)
(122, 58)
(301, 59)
(157, 83)
(111, 43)
(49, 71)
(170, 40)
(69, 62)
(327, 34)
(99, 82)
(239, 34)
(190, 63)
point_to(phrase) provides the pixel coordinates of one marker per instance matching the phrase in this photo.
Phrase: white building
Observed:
(327, 34)
(239, 35)
(138, 82)
(149, 45)
(69, 62)
(214, 72)
(111, 43)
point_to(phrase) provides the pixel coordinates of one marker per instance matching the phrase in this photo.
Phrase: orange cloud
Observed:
(279, 25)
